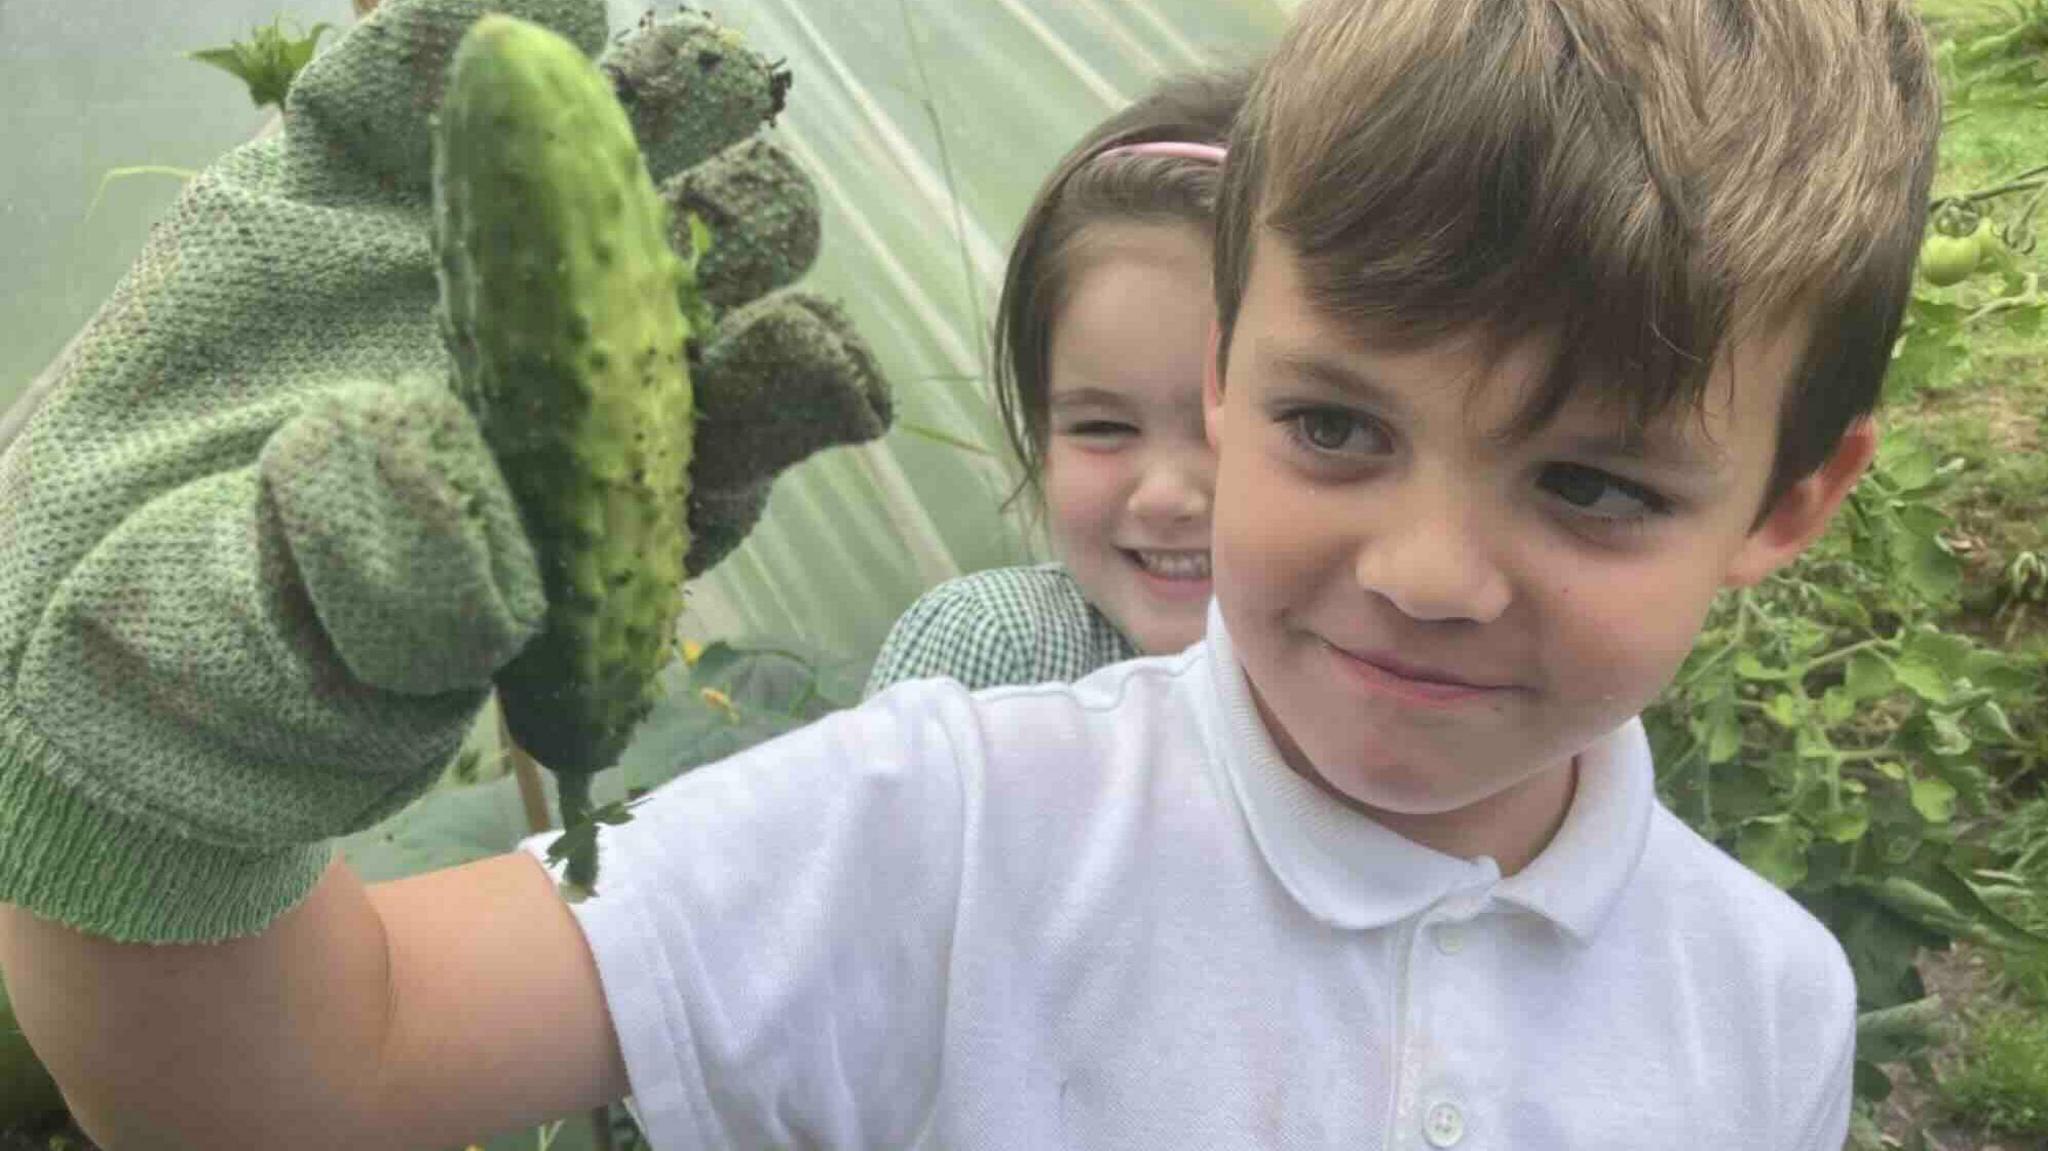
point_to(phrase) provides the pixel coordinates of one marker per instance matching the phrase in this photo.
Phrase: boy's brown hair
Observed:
(1642, 179)
(1087, 189)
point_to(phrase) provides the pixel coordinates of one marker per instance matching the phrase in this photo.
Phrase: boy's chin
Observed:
(1419, 786)
(1402, 791)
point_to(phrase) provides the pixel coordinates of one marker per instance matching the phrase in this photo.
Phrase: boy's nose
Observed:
(1432, 563)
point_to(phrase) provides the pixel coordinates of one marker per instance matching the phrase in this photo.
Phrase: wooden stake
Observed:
(531, 794)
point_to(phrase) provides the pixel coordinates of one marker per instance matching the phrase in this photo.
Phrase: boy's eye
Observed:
(1600, 495)
(1334, 431)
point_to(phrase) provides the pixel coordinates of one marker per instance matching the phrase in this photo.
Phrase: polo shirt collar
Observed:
(1350, 872)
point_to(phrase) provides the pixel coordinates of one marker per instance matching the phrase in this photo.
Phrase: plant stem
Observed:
(2025, 181)
(574, 792)
(531, 795)
(1845, 652)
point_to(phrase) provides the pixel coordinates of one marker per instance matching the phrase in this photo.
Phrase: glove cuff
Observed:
(67, 857)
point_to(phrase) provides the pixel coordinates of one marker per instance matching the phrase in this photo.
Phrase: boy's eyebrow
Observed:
(1661, 447)
(1665, 450)
(1331, 373)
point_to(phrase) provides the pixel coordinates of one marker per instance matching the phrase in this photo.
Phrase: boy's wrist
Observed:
(69, 858)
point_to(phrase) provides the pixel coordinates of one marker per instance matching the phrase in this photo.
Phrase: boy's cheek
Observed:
(1624, 643)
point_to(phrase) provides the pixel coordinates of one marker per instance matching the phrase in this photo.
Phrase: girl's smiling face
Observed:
(1128, 470)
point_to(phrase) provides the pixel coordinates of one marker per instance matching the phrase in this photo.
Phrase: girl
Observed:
(1099, 340)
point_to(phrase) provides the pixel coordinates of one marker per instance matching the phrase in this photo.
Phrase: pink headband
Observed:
(1209, 152)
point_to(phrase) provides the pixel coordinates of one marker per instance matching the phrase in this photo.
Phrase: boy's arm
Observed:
(420, 1013)
(1822, 1121)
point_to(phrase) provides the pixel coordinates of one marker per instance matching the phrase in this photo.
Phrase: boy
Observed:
(1538, 325)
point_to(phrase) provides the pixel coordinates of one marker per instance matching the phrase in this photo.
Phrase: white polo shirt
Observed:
(1106, 915)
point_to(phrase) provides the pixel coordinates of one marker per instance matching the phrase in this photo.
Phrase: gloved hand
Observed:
(257, 567)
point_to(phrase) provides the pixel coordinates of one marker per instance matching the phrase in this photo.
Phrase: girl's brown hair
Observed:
(1088, 188)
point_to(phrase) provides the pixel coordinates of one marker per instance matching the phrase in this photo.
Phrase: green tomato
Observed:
(1989, 244)
(1946, 260)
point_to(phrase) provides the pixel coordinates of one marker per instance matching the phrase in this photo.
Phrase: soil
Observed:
(1912, 1117)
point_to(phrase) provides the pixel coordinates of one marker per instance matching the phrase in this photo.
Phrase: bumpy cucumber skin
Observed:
(562, 306)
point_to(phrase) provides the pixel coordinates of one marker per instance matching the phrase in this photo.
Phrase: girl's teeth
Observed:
(1175, 565)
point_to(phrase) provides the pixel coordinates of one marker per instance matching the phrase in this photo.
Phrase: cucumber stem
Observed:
(575, 794)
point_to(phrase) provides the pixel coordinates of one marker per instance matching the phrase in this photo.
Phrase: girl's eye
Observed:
(1100, 429)
(1334, 431)
(1598, 495)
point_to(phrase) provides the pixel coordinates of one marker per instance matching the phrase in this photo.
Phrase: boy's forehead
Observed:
(1500, 373)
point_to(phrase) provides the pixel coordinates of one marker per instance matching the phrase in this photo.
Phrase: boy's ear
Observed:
(1212, 389)
(1802, 513)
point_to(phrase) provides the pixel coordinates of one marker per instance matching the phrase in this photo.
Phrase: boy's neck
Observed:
(1513, 827)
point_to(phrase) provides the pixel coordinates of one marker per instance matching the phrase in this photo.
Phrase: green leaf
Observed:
(581, 837)
(2024, 321)
(1837, 705)
(1934, 799)
(1867, 677)
(1843, 607)
(1951, 653)
(267, 62)
(445, 828)
(1924, 907)
(1891, 1034)
(1881, 945)
(1845, 825)
(1928, 566)
(1993, 926)
(1992, 718)
(1871, 1082)
(1948, 736)
(1923, 520)
(1910, 470)
(1786, 710)
(1924, 360)
(1749, 666)
(712, 663)
(1724, 738)
(1923, 679)
(1774, 847)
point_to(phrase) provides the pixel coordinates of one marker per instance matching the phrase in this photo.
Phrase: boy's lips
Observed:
(1387, 674)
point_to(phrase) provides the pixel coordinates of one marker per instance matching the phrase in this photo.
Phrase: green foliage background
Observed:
(1869, 730)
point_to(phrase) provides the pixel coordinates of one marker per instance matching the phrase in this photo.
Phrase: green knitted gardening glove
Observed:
(257, 567)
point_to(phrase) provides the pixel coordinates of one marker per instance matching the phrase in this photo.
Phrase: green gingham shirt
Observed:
(1017, 625)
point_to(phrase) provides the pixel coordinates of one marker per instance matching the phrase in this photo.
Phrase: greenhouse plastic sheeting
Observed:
(926, 123)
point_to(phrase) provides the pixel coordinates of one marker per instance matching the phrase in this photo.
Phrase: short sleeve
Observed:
(1823, 1119)
(958, 631)
(773, 931)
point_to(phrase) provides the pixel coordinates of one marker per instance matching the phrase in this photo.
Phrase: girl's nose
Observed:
(1177, 489)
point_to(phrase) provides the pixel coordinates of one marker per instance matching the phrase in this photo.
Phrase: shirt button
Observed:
(1450, 939)
(1444, 1125)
